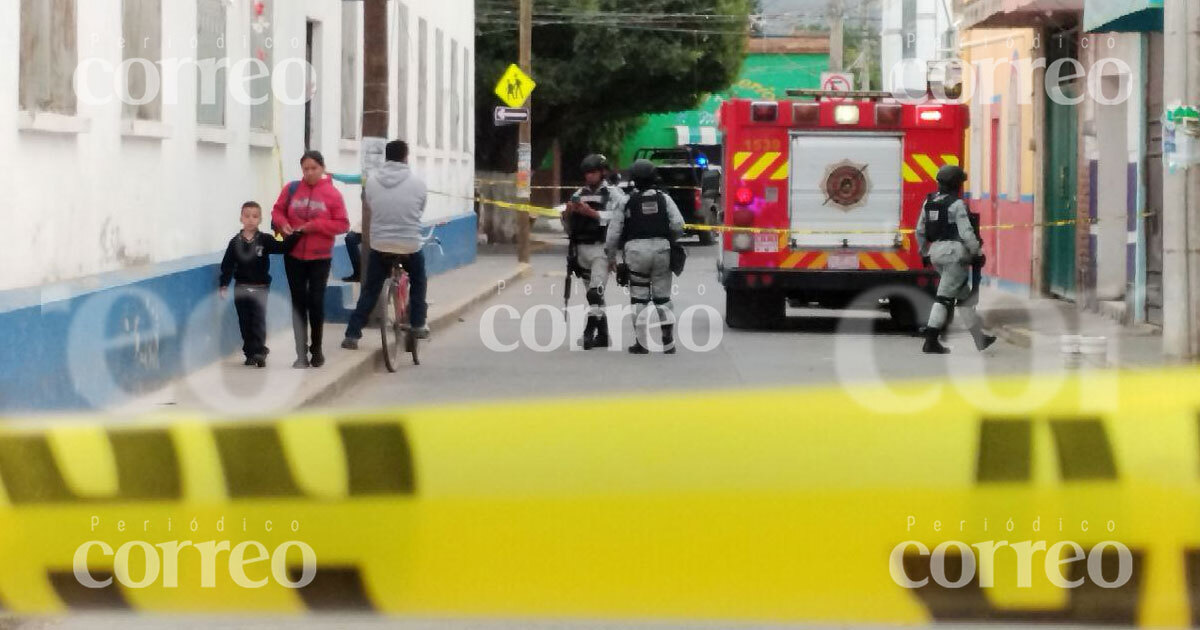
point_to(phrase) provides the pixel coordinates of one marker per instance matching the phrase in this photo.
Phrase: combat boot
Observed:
(932, 344)
(982, 341)
(638, 348)
(589, 334)
(601, 333)
(668, 338)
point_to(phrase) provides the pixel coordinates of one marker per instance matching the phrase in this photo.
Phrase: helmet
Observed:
(643, 173)
(594, 162)
(951, 177)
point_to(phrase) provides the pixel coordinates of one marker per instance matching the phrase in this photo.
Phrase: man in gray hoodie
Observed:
(397, 200)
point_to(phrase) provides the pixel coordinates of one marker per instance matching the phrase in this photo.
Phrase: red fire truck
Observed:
(839, 180)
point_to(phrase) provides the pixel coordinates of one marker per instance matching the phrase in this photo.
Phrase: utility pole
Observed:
(375, 89)
(1181, 190)
(837, 31)
(864, 10)
(525, 139)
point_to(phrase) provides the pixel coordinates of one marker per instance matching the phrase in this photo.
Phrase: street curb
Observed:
(331, 385)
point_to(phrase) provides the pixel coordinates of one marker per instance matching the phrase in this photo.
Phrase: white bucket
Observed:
(1094, 351)
(1071, 351)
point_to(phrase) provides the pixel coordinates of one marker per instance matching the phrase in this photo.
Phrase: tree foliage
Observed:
(597, 75)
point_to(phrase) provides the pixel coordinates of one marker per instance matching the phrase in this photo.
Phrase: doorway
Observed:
(990, 238)
(1112, 186)
(312, 102)
(1061, 177)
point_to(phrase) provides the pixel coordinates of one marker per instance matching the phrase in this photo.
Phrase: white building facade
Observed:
(131, 132)
(98, 185)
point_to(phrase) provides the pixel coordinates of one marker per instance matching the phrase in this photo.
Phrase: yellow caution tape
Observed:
(743, 506)
(699, 227)
(501, 182)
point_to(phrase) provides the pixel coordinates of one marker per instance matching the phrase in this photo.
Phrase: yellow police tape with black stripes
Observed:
(807, 505)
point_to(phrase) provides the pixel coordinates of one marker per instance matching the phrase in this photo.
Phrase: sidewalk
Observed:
(1039, 324)
(230, 388)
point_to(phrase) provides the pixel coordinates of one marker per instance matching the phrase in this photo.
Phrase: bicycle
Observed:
(395, 326)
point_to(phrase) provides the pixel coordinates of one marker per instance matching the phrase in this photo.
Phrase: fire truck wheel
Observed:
(904, 314)
(748, 310)
(737, 309)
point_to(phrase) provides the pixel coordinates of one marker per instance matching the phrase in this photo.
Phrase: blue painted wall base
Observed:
(94, 342)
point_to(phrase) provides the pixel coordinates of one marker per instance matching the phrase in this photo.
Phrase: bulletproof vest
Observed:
(937, 218)
(646, 216)
(586, 229)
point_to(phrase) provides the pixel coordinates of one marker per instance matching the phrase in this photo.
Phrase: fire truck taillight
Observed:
(806, 114)
(764, 111)
(743, 217)
(846, 114)
(743, 242)
(888, 115)
(744, 196)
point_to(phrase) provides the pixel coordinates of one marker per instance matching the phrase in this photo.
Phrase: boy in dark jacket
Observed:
(247, 260)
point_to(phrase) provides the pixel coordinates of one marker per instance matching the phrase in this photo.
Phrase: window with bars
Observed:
(262, 31)
(210, 57)
(455, 113)
(350, 53)
(48, 56)
(1013, 143)
(439, 133)
(468, 93)
(908, 28)
(141, 29)
(402, 73)
(423, 83)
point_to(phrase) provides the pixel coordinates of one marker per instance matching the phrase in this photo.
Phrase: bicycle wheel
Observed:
(403, 295)
(389, 328)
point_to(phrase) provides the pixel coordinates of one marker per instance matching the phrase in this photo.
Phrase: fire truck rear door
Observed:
(845, 190)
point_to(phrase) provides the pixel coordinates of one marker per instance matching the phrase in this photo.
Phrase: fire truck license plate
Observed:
(843, 260)
(766, 242)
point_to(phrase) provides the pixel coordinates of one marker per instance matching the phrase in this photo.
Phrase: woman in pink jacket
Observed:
(315, 208)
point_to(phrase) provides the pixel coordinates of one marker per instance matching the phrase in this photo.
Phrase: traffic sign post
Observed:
(510, 115)
(515, 87)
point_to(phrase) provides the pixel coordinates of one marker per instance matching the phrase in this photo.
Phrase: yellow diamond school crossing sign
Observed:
(514, 87)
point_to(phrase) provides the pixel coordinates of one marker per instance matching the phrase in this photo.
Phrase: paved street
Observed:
(815, 348)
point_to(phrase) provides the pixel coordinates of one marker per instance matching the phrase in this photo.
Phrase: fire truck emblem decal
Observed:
(846, 185)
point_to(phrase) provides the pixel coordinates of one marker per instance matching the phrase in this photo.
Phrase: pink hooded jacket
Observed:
(322, 208)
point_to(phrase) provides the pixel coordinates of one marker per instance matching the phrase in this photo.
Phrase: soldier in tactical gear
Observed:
(949, 243)
(586, 221)
(643, 234)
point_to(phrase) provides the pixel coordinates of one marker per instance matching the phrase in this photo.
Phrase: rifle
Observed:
(572, 268)
(976, 270)
(570, 272)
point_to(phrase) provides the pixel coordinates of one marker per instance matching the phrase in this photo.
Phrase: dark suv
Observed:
(693, 183)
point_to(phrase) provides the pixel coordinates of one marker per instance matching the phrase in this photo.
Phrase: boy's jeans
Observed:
(379, 267)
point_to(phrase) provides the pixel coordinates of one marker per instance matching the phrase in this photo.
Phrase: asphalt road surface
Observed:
(517, 346)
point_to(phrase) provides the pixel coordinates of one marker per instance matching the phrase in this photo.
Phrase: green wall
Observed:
(765, 76)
